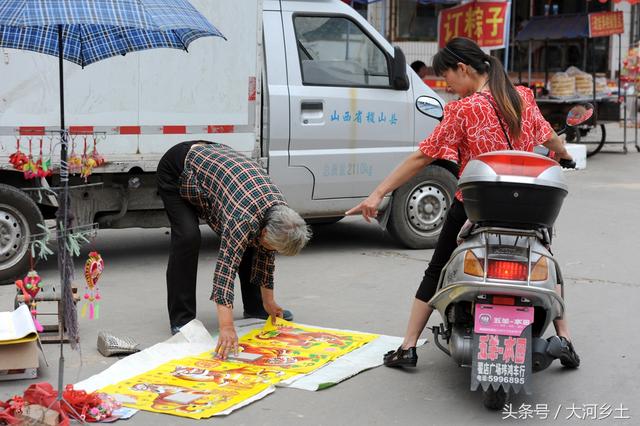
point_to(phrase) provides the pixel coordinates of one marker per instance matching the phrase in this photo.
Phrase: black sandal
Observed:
(563, 349)
(401, 357)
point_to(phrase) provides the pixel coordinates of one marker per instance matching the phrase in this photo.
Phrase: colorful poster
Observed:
(484, 22)
(191, 387)
(300, 348)
(203, 385)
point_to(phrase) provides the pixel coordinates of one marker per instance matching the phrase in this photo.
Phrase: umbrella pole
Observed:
(62, 214)
(65, 263)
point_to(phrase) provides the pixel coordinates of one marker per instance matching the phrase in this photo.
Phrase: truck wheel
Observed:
(494, 399)
(420, 206)
(19, 219)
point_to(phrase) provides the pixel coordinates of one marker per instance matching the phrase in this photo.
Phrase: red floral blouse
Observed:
(470, 127)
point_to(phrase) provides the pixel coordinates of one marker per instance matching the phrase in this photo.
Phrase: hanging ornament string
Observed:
(92, 270)
(75, 161)
(30, 286)
(18, 159)
(97, 157)
(44, 165)
(29, 169)
(88, 163)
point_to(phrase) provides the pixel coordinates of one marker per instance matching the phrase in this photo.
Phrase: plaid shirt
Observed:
(232, 194)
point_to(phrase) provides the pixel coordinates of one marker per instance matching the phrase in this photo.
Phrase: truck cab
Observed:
(344, 110)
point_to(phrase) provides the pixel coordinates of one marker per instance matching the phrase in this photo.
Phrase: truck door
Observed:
(348, 127)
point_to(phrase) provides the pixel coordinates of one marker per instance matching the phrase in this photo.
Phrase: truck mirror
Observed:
(430, 106)
(399, 77)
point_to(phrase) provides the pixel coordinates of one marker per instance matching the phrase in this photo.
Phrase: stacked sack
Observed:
(562, 85)
(574, 82)
(584, 82)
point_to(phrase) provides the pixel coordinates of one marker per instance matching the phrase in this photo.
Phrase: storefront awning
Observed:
(555, 27)
(597, 24)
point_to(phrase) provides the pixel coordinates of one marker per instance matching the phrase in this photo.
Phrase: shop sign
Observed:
(603, 24)
(482, 21)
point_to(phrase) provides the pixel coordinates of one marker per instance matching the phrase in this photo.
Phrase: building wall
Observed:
(379, 16)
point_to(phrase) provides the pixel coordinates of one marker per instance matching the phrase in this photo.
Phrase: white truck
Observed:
(307, 88)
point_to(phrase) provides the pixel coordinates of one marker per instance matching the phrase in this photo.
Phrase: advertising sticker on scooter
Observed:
(502, 320)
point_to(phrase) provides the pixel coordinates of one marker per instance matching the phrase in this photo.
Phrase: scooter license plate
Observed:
(502, 320)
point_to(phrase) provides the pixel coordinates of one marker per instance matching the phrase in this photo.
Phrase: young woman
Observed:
(491, 115)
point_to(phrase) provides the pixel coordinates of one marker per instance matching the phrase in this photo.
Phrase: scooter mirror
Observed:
(430, 106)
(579, 114)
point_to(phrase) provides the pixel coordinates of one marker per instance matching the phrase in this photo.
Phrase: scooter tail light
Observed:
(505, 164)
(472, 265)
(540, 271)
(503, 300)
(507, 270)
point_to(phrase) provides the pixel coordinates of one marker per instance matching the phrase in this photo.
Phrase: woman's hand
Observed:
(368, 208)
(227, 342)
(557, 145)
(398, 177)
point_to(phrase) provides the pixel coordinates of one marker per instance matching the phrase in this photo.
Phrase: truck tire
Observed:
(19, 219)
(419, 207)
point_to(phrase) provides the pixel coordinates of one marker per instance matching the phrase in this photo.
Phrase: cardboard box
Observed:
(19, 360)
(18, 345)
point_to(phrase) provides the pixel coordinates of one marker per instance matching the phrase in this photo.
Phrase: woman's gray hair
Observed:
(286, 231)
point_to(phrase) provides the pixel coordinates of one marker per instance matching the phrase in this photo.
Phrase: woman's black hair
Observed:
(464, 50)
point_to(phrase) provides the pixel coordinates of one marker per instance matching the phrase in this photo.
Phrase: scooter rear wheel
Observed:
(495, 399)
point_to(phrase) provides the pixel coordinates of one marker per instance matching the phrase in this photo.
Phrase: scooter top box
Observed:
(513, 189)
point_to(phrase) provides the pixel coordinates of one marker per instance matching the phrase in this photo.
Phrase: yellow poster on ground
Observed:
(191, 387)
(203, 385)
(300, 348)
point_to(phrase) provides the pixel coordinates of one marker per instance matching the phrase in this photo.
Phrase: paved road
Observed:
(354, 276)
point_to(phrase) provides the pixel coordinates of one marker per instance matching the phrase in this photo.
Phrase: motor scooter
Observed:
(497, 294)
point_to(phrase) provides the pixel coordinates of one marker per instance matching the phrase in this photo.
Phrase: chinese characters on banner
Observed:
(605, 24)
(483, 22)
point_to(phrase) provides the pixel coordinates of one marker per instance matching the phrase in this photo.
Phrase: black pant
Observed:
(456, 217)
(185, 246)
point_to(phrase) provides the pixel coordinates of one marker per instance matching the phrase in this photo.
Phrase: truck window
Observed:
(334, 51)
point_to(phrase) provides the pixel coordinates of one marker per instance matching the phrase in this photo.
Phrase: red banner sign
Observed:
(484, 22)
(603, 24)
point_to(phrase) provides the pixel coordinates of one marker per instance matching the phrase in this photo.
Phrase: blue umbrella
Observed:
(97, 29)
(84, 32)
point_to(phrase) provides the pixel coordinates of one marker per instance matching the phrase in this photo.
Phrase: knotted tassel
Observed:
(91, 310)
(83, 313)
(97, 310)
(37, 324)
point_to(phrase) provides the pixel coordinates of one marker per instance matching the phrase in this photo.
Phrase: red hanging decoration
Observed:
(18, 159)
(30, 286)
